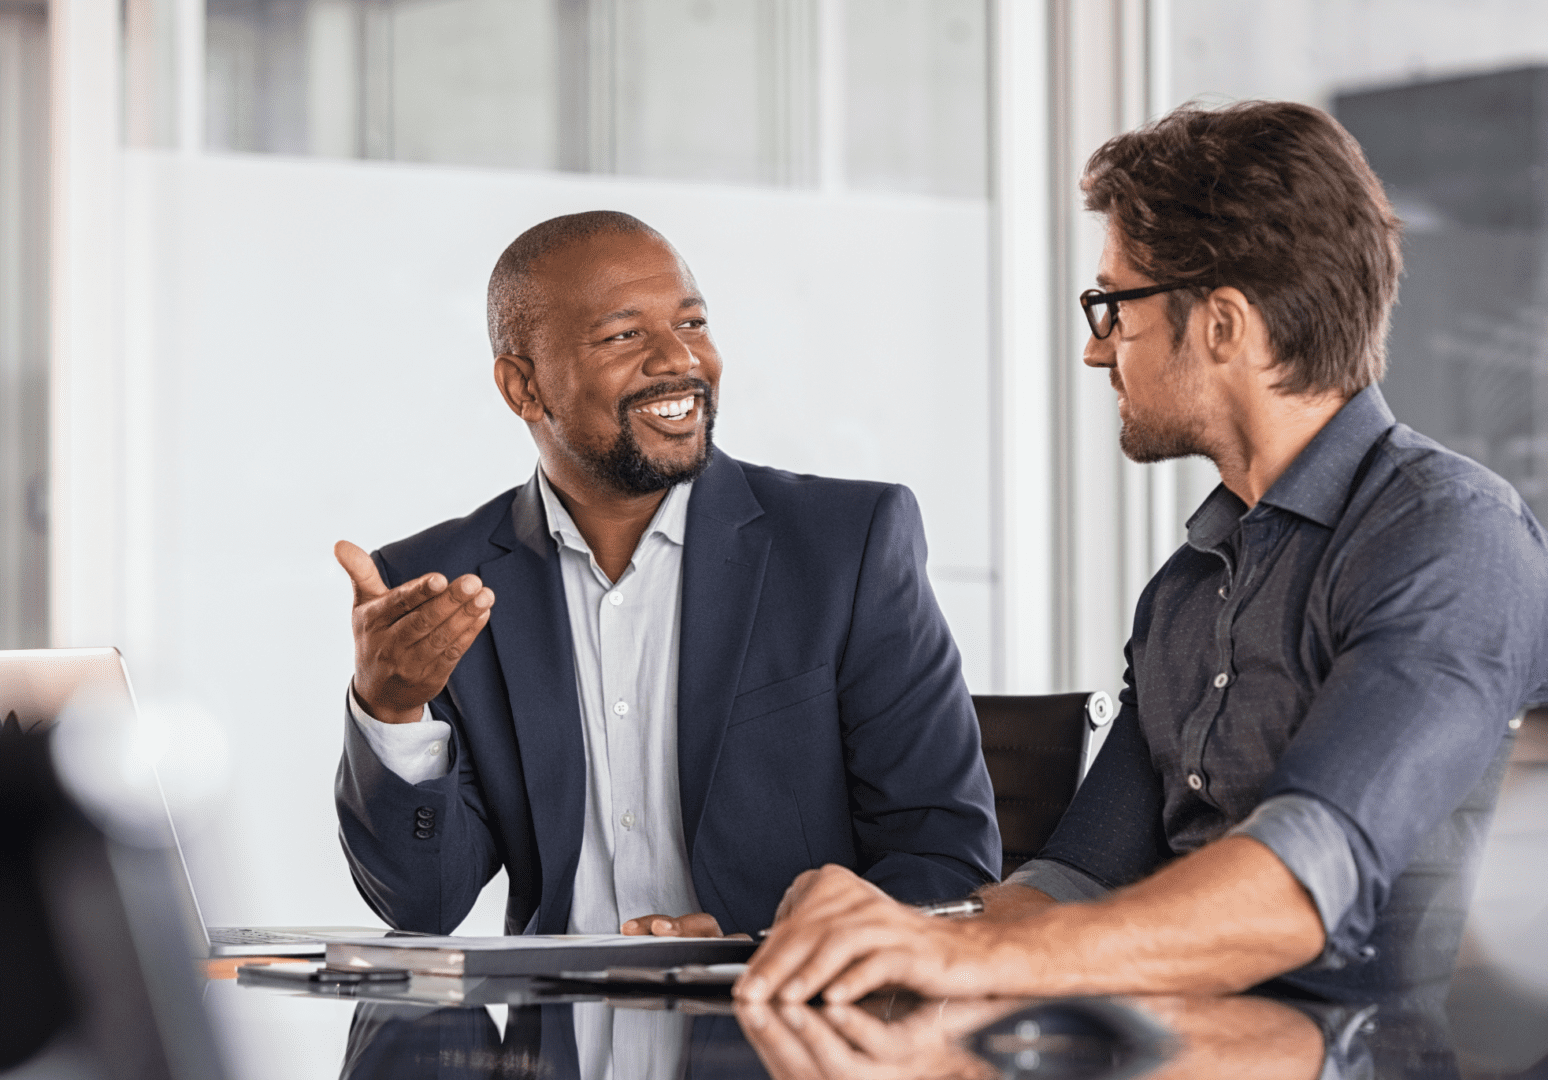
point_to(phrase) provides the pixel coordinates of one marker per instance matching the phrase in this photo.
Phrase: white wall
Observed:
(305, 361)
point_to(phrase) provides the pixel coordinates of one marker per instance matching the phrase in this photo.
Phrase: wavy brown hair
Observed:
(1273, 198)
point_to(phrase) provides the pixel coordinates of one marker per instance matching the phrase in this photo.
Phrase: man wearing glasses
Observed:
(1321, 681)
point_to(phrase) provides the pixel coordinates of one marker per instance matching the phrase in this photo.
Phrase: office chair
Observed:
(1034, 748)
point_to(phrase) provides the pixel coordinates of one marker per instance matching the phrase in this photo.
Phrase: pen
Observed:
(972, 905)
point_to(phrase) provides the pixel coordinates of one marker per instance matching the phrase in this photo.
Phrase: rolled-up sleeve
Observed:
(1441, 618)
(1310, 838)
(1063, 883)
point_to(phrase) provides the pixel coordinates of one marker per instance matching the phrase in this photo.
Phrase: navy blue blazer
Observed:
(822, 716)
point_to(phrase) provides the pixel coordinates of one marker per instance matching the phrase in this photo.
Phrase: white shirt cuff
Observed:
(415, 752)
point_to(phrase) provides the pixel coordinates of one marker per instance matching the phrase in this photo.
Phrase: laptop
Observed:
(35, 687)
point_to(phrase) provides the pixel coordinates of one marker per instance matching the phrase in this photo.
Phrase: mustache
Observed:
(1112, 377)
(685, 385)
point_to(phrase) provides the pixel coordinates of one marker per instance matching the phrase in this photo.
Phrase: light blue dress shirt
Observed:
(626, 635)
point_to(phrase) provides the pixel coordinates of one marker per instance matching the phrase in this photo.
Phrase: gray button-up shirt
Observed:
(1330, 671)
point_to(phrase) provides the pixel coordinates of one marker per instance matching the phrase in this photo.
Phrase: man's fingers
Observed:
(362, 571)
(416, 611)
(794, 894)
(835, 953)
(696, 924)
(435, 654)
(835, 903)
(883, 967)
(699, 924)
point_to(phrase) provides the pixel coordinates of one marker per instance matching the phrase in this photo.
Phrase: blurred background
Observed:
(243, 247)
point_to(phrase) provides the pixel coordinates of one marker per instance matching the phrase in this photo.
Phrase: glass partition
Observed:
(742, 91)
(23, 326)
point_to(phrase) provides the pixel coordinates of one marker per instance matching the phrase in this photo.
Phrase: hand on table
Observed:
(697, 924)
(843, 937)
(409, 639)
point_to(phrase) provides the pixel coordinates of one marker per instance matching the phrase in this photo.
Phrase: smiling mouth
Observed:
(674, 409)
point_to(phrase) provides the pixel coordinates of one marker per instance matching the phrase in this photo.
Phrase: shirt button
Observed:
(433, 749)
(1225, 591)
(620, 707)
(1221, 680)
(1195, 781)
(615, 598)
(626, 819)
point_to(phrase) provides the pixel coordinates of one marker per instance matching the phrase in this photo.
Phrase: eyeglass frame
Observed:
(1091, 297)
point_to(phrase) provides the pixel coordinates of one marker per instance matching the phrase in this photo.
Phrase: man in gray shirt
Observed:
(1321, 680)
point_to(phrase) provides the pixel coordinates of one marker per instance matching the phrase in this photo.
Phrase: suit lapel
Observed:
(724, 554)
(530, 626)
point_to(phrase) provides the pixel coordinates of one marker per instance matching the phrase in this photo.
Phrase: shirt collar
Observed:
(670, 521)
(1316, 484)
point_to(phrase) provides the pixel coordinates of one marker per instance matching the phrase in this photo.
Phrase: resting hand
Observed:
(843, 938)
(408, 639)
(697, 924)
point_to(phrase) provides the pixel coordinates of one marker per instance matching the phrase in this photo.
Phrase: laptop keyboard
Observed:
(242, 935)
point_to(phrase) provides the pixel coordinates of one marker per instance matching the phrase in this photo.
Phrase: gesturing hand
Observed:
(408, 639)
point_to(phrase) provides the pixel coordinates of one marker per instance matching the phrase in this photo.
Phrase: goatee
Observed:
(624, 466)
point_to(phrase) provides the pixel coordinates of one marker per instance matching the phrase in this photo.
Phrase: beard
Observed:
(623, 466)
(1146, 438)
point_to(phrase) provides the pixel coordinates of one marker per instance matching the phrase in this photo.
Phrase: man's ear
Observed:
(514, 375)
(1228, 323)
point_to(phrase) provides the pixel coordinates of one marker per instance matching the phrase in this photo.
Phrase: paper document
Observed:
(533, 954)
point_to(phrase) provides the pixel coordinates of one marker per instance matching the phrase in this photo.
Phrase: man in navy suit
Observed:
(702, 677)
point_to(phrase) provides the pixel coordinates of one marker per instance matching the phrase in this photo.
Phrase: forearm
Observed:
(1220, 920)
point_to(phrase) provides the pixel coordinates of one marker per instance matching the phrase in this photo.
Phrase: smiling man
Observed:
(1320, 681)
(701, 677)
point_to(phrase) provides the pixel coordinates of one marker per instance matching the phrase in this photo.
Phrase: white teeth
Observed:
(671, 410)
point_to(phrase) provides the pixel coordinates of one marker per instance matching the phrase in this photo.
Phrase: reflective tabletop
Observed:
(517, 1028)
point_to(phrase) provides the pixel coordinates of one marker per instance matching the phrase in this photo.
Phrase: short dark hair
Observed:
(1273, 198)
(512, 306)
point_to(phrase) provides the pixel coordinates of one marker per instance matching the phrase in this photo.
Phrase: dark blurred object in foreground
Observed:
(97, 979)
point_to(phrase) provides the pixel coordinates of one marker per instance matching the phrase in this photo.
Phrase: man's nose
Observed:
(670, 355)
(1099, 352)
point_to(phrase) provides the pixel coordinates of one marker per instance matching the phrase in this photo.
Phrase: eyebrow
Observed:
(629, 313)
(1105, 281)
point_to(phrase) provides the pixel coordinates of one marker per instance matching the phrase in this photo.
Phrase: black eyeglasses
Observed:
(1103, 321)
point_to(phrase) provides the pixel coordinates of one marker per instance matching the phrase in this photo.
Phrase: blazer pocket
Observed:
(780, 695)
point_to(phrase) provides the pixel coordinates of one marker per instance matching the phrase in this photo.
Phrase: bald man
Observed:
(653, 683)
